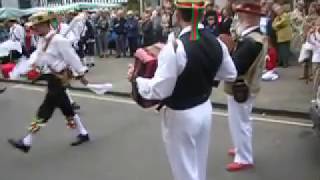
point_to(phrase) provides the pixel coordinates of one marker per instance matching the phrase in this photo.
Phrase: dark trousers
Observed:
(89, 49)
(133, 45)
(56, 97)
(121, 44)
(284, 53)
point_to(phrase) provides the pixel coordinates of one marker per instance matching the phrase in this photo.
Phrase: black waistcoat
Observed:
(194, 84)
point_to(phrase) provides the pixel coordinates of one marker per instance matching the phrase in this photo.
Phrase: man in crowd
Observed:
(102, 33)
(132, 32)
(119, 28)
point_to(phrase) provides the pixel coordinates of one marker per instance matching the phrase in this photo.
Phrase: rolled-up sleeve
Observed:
(162, 84)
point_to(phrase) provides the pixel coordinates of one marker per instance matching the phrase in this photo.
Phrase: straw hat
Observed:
(40, 17)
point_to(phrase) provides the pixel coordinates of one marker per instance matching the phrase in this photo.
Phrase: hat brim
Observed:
(33, 23)
(257, 13)
(190, 5)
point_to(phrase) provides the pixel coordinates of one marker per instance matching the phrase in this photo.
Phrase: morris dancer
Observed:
(249, 59)
(61, 57)
(183, 81)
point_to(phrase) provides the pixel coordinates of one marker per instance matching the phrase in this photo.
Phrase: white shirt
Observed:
(67, 34)
(171, 64)
(17, 33)
(58, 56)
(79, 30)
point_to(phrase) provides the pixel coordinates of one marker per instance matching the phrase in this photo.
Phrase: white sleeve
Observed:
(162, 84)
(227, 70)
(70, 56)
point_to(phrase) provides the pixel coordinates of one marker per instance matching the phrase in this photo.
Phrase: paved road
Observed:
(127, 144)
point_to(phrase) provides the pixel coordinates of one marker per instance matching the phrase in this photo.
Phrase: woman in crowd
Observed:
(308, 23)
(281, 24)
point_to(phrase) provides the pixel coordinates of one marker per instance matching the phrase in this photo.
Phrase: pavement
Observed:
(126, 143)
(285, 96)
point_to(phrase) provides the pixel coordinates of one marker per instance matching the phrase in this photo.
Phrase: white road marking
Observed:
(119, 100)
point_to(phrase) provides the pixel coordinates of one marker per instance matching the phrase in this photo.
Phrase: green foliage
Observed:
(133, 5)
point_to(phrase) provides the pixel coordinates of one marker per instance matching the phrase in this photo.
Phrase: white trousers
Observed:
(186, 135)
(240, 125)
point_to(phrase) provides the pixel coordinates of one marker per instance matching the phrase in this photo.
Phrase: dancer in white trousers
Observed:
(249, 59)
(183, 81)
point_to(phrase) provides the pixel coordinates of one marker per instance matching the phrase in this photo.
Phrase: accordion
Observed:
(145, 65)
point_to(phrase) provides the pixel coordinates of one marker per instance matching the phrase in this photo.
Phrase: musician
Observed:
(183, 81)
(249, 59)
(56, 53)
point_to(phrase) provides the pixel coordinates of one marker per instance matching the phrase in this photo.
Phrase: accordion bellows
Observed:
(145, 65)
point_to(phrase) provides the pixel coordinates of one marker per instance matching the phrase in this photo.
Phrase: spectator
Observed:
(120, 30)
(212, 25)
(147, 29)
(102, 31)
(281, 24)
(309, 40)
(89, 41)
(226, 21)
(210, 11)
(133, 32)
(157, 28)
(166, 20)
(297, 20)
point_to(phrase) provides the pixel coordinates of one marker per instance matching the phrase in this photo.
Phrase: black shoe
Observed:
(118, 56)
(75, 106)
(19, 145)
(3, 90)
(81, 139)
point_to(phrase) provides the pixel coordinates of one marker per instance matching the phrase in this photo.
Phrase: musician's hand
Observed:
(130, 72)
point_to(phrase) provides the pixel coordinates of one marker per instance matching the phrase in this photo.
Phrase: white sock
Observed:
(92, 60)
(69, 96)
(27, 140)
(80, 127)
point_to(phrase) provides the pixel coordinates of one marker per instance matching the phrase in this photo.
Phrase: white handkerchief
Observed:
(100, 88)
(22, 67)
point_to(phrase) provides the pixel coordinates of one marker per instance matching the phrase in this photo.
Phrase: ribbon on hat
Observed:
(196, 17)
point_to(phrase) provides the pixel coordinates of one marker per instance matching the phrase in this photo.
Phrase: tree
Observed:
(133, 5)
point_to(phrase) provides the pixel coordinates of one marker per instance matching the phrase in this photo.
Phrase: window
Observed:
(24, 4)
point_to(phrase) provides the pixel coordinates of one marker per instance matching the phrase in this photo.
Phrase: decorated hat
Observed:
(11, 19)
(250, 8)
(40, 17)
(197, 7)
